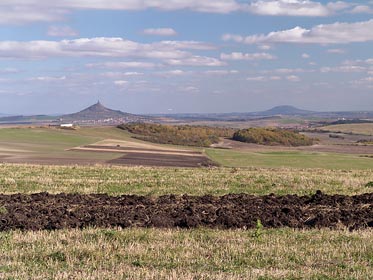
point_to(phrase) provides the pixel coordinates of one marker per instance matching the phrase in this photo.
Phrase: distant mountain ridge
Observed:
(98, 114)
(275, 112)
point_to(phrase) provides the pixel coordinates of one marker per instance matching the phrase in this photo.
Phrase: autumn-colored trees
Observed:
(272, 136)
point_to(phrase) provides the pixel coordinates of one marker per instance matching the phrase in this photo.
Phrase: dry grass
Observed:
(161, 181)
(186, 254)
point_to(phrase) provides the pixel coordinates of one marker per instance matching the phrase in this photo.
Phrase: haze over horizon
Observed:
(211, 56)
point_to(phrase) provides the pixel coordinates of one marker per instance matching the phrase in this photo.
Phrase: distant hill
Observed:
(274, 113)
(285, 110)
(96, 112)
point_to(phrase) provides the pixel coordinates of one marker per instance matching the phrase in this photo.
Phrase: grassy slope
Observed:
(289, 159)
(51, 142)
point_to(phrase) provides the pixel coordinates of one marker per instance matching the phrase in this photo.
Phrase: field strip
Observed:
(130, 144)
(134, 151)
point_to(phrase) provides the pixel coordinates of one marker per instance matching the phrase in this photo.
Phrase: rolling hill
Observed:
(285, 110)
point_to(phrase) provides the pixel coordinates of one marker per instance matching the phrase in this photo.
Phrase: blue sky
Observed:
(177, 56)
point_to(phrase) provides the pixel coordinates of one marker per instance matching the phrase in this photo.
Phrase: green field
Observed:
(293, 159)
(161, 181)
(54, 143)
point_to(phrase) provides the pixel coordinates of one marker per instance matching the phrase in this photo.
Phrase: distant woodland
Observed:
(272, 136)
(185, 135)
(204, 136)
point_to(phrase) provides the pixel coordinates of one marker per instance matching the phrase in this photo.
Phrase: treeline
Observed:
(185, 135)
(272, 136)
(204, 136)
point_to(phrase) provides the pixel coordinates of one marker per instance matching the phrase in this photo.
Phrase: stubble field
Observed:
(176, 253)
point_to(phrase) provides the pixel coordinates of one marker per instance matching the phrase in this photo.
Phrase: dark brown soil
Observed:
(164, 160)
(119, 148)
(45, 211)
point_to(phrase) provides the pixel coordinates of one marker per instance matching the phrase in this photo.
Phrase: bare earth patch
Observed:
(135, 153)
(45, 211)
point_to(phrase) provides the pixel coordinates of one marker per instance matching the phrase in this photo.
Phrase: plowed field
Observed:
(46, 211)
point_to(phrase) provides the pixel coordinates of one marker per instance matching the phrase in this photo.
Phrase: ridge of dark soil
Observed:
(43, 211)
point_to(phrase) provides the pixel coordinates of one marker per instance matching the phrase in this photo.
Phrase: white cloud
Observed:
(264, 47)
(99, 47)
(362, 9)
(27, 11)
(62, 31)
(176, 72)
(121, 74)
(160, 31)
(305, 56)
(211, 6)
(275, 78)
(336, 33)
(221, 72)
(289, 70)
(339, 5)
(48, 79)
(121, 83)
(196, 61)
(289, 8)
(364, 82)
(9, 71)
(344, 69)
(247, 56)
(264, 78)
(336, 51)
(190, 45)
(257, 79)
(368, 79)
(24, 12)
(293, 78)
(123, 64)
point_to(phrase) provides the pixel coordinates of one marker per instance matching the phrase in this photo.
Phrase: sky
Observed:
(185, 56)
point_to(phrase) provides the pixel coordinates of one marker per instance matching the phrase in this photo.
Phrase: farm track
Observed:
(44, 211)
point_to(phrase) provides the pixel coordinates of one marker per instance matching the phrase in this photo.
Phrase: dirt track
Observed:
(45, 211)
